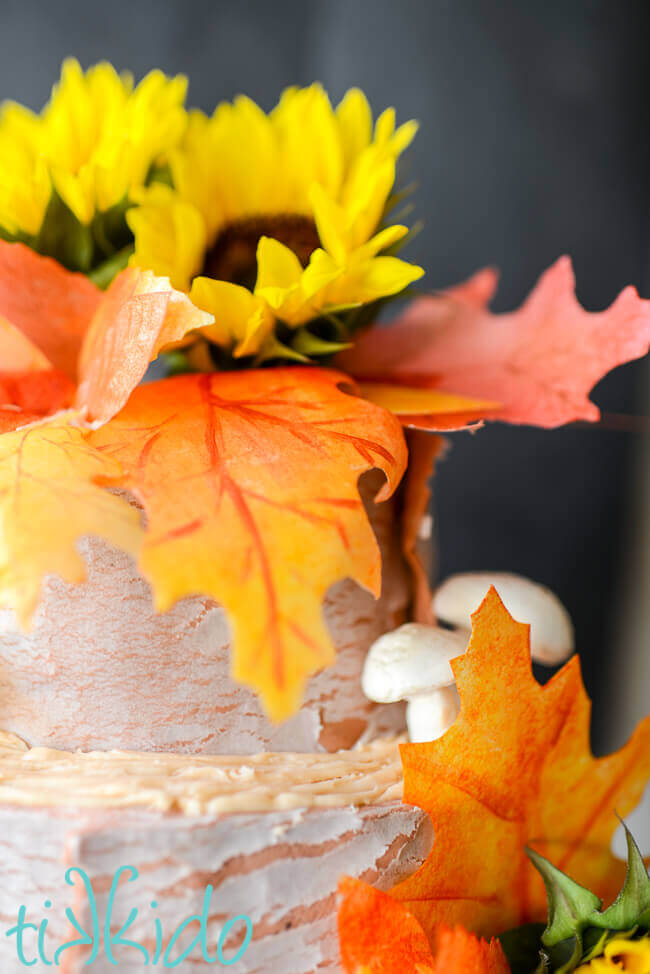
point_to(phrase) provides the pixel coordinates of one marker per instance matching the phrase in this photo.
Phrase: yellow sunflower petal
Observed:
(241, 319)
(98, 137)
(170, 236)
(277, 265)
(355, 123)
(25, 184)
(330, 222)
(310, 135)
(373, 279)
(382, 240)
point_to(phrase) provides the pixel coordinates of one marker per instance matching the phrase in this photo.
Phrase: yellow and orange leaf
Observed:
(515, 769)
(249, 483)
(424, 408)
(48, 500)
(378, 935)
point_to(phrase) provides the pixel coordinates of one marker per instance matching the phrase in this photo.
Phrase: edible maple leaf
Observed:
(52, 319)
(540, 361)
(378, 935)
(48, 500)
(515, 769)
(249, 484)
(27, 397)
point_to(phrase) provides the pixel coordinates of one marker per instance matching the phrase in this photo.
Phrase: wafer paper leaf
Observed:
(540, 362)
(515, 769)
(49, 498)
(249, 483)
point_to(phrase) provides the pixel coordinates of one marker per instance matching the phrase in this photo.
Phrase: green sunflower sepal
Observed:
(578, 929)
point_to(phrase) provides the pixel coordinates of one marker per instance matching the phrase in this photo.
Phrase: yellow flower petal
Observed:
(382, 240)
(277, 265)
(373, 279)
(241, 320)
(97, 137)
(170, 236)
(355, 123)
(330, 221)
(621, 954)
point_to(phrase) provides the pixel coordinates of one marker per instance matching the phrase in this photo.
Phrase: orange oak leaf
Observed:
(48, 500)
(540, 361)
(378, 935)
(515, 769)
(49, 306)
(249, 484)
(17, 352)
(50, 317)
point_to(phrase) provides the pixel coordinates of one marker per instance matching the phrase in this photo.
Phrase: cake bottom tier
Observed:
(150, 841)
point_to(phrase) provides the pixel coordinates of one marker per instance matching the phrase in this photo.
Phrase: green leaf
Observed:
(273, 349)
(521, 947)
(632, 905)
(570, 906)
(311, 345)
(104, 273)
(63, 237)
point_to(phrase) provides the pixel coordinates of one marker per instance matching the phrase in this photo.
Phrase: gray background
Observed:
(534, 143)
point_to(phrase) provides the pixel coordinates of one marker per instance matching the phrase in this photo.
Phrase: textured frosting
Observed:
(101, 669)
(198, 784)
(186, 822)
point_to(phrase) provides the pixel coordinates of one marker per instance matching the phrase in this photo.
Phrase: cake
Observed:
(193, 569)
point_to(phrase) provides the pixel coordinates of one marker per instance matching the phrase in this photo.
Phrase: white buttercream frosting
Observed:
(198, 784)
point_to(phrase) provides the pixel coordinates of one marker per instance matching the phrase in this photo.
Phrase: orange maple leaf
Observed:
(52, 319)
(515, 769)
(540, 361)
(378, 935)
(249, 483)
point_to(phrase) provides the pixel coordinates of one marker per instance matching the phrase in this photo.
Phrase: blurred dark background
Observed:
(534, 142)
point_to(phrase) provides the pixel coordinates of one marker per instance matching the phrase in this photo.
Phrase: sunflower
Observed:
(621, 954)
(274, 223)
(67, 173)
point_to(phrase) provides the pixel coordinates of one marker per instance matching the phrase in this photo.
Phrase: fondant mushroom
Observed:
(551, 629)
(412, 663)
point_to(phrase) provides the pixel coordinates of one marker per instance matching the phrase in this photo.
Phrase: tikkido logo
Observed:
(31, 937)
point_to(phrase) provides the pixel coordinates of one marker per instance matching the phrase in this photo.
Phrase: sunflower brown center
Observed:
(233, 256)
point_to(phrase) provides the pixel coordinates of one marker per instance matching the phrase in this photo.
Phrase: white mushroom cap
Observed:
(551, 630)
(411, 660)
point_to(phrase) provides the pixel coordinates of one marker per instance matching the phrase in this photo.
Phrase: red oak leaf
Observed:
(540, 361)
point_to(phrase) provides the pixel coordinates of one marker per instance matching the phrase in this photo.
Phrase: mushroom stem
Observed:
(429, 715)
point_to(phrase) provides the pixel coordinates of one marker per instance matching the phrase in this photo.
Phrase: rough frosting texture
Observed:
(198, 785)
(186, 822)
(100, 669)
